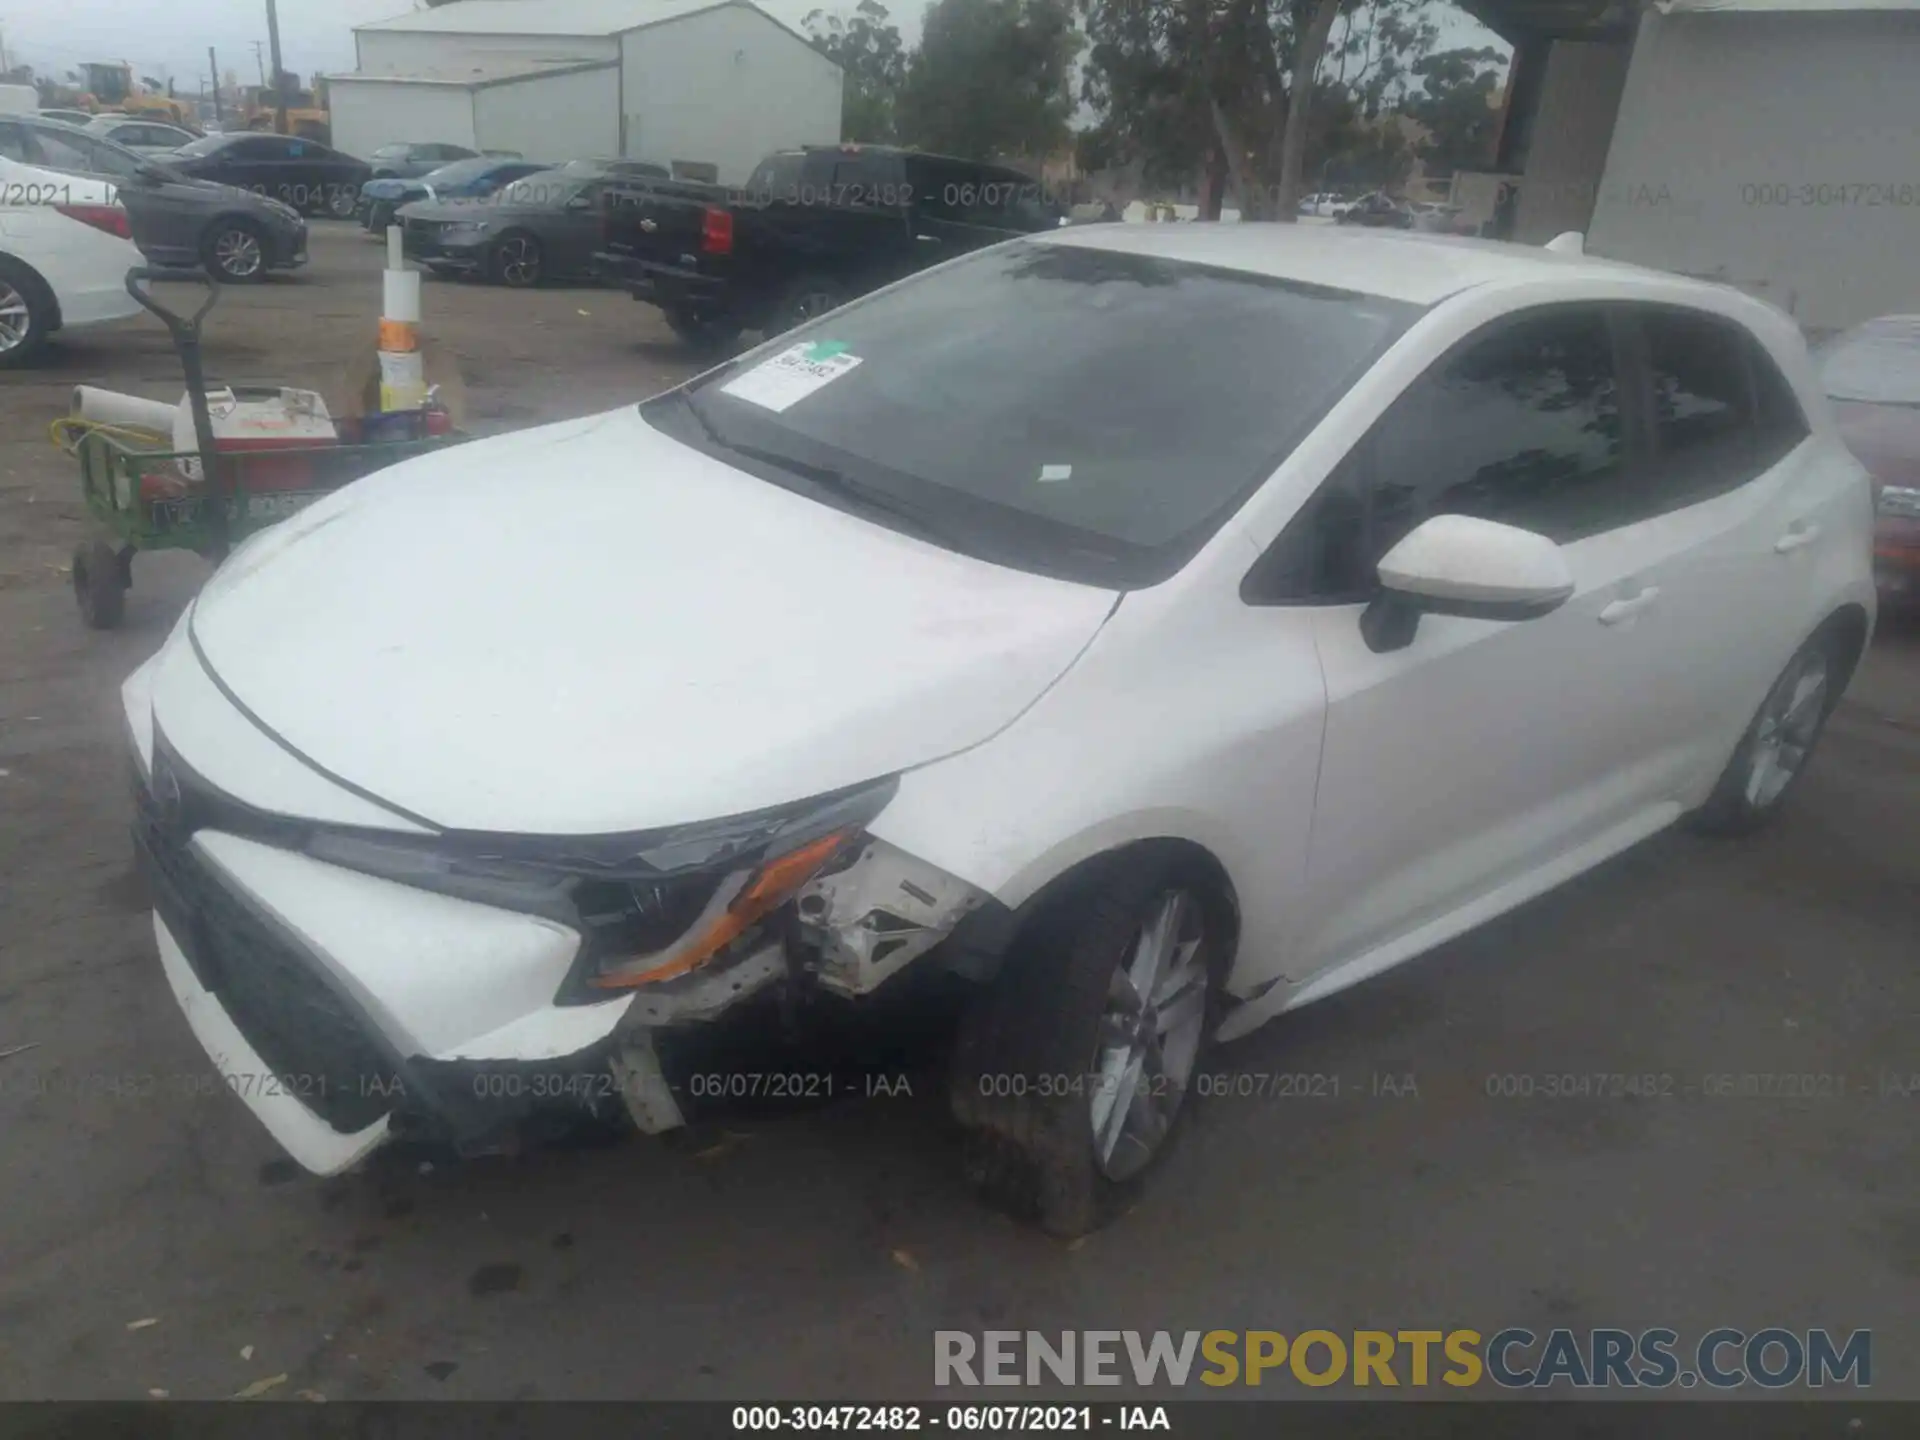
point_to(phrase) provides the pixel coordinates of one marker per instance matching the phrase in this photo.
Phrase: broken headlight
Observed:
(650, 906)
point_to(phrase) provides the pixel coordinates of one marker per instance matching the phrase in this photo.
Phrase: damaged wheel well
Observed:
(1060, 894)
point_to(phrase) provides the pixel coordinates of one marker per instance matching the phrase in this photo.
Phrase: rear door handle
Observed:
(1801, 532)
(1626, 609)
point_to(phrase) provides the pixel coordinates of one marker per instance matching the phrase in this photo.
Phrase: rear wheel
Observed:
(516, 261)
(26, 314)
(808, 298)
(235, 252)
(1073, 1069)
(1774, 751)
(706, 333)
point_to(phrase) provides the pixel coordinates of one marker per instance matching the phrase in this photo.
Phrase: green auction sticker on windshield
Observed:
(792, 375)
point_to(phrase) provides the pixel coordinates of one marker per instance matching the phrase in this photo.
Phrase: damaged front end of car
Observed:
(779, 909)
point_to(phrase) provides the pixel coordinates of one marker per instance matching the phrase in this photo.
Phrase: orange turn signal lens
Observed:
(771, 886)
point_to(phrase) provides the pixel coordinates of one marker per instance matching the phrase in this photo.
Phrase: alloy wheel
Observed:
(341, 203)
(1149, 1037)
(1788, 725)
(519, 261)
(16, 319)
(237, 253)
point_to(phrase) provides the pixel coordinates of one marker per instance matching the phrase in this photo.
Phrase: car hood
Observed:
(590, 628)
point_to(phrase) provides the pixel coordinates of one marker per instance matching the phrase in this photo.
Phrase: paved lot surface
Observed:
(813, 1254)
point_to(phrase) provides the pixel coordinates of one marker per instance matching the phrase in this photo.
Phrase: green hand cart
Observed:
(148, 496)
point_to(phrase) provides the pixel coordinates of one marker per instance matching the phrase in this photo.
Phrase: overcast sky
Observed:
(171, 36)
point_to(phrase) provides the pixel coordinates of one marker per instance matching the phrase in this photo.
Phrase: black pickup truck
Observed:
(810, 230)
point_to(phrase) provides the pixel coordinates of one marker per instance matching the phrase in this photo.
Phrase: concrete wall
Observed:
(552, 117)
(1769, 151)
(1566, 147)
(399, 52)
(726, 87)
(370, 113)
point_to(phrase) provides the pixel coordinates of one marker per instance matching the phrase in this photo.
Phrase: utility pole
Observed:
(213, 68)
(279, 75)
(257, 60)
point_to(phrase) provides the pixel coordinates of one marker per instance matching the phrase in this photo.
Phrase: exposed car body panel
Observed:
(857, 650)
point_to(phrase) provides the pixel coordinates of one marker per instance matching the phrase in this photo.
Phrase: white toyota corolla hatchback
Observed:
(1158, 627)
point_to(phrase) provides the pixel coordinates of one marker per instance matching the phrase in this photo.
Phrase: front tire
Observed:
(235, 252)
(1778, 743)
(516, 261)
(26, 314)
(1072, 1070)
(808, 298)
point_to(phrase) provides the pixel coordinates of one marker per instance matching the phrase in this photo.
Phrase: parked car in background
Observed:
(1452, 613)
(65, 247)
(1871, 373)
(81, 118)
(545, 226)
(143, 137)
(1379, 211)
(174, 219)
(406, 161)
(812, 229)
(462, 180)
(313, 178)
(1326, 206)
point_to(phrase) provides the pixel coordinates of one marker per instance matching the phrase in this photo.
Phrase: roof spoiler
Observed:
(1568, 242)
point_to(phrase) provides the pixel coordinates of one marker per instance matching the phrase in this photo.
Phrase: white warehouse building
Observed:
(716, 83)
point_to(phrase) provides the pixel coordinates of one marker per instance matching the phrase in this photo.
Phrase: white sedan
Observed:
(65, 248)
(1156, 628)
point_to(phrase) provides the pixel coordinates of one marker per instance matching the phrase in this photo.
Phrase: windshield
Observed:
(1059, 408)
(389, 152)
(1877, 363)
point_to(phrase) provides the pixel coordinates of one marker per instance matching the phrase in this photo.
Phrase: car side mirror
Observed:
(1460, 565)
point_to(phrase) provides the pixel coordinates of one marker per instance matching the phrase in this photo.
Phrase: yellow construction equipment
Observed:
(112, 85)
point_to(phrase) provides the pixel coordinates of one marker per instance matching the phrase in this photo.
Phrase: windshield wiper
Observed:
(829, 479)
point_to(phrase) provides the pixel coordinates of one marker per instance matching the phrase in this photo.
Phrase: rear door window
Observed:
(1700, 398)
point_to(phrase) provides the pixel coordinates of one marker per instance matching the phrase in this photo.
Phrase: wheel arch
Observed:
(1850, 629)
(34, 278)
(1048, 898)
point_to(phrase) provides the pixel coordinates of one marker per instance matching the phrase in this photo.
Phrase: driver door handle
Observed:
(1620, 610)
(1801, 532)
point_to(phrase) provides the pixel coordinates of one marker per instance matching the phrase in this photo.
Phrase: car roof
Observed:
(1419, 269)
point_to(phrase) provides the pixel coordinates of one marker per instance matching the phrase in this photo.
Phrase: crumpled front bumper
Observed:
(346, 1010)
